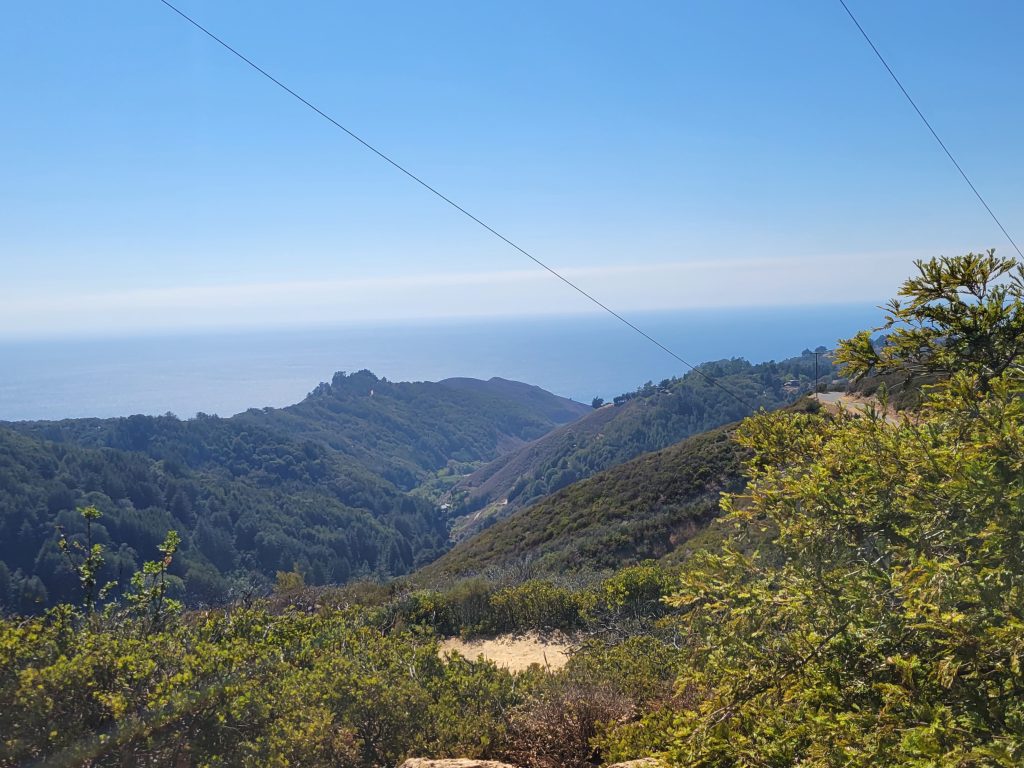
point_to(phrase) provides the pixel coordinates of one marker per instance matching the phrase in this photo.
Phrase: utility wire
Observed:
(456, 206)
(929, 126)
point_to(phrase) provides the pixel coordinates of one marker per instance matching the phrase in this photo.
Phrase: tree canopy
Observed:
(957, 315)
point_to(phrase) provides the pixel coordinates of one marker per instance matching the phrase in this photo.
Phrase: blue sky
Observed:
(678, 154)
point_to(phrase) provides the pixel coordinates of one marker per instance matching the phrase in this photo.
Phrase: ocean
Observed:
(224, 373)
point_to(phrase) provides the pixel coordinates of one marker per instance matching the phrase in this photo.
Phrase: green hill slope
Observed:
(557, 409)
(400, 431)
(648, 419)
(642, 509)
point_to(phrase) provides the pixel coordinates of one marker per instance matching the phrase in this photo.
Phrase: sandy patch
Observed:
(513, 652)
(859, 406)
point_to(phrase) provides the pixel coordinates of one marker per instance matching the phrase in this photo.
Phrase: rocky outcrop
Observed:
(420, 762)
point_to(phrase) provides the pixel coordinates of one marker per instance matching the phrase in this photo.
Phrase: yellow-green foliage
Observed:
(636, 592)
(884, 624)
(633, 595)
(289, 582)
(537, 604)
(241, 687)
(252, 686)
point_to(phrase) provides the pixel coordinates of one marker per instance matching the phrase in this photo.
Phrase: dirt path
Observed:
(859, 405)
(514, 652)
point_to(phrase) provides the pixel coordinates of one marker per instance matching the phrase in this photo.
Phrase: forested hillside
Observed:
(280, 506)
(318, 487)
(651, 418)
(400, 431)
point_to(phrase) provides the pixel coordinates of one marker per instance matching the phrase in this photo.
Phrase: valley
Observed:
(363, 479)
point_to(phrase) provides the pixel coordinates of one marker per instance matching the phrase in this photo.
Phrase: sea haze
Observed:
(224, 373)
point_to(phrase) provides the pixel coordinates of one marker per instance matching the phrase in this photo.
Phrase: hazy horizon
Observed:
(108, 329)
(580, 356)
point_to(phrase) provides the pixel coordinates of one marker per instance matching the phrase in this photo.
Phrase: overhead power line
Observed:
(932, 130)
(456, 206)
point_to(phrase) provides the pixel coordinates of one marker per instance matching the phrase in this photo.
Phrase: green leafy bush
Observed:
(882, 624)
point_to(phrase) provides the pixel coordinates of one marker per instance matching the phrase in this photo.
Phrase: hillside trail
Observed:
(514, 652)
(858, 405)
